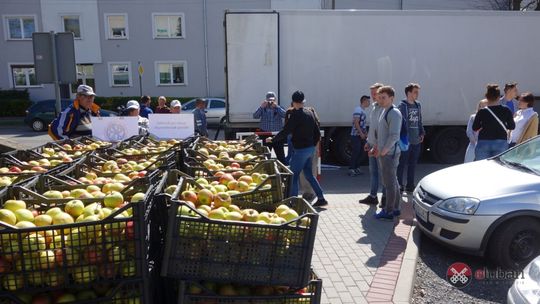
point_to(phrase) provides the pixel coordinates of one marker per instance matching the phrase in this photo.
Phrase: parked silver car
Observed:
(487, 207)
(215, 109)
(526, 288)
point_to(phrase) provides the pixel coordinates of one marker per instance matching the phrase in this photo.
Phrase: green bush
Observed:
(14, 102)
(112, 103)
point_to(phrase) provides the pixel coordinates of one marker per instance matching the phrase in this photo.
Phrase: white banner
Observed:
(166, 126)
(115, 128)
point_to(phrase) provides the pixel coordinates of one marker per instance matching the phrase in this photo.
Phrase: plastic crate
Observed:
(309, 294)
(80, 145)
(20, 158)
(199, 248)
(202, 157)
(195, 167)
(94, 163)
(128, 291)
(77, 255)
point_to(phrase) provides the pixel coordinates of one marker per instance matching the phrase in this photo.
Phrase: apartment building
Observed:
(178, 46)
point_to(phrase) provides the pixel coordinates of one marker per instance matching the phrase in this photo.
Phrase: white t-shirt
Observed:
(521, 119)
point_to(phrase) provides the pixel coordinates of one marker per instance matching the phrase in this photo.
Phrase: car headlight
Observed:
(463, 205)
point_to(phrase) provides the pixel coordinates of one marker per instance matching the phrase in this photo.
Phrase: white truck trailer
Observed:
(334, 56)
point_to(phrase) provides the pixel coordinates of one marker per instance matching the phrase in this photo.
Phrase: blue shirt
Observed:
(509, 104)
(271, 118)
(145, 111)
(361, 116)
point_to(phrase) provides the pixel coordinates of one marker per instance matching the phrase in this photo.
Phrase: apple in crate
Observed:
(222, 199)
(113, 199)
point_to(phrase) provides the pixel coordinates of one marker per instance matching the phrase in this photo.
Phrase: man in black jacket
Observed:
(303, 126)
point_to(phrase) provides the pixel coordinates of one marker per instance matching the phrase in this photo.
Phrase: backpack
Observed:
(403, 141)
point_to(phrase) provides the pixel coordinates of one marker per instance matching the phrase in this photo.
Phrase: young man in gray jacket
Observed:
(373, 117)
(387, 151)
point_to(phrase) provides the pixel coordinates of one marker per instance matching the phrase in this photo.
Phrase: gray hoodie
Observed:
(388, 129)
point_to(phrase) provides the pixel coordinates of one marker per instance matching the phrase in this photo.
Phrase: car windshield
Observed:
(189, 106)
(525, 156)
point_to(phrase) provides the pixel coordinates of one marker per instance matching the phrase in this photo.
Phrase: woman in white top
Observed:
(526, 120)
(473, 136)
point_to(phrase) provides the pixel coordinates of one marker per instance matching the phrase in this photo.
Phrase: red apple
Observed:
(15, 169)
(235, 165)
(222, 199)
(226, 178)
(92, 256)
(189, 196)
(130, 231)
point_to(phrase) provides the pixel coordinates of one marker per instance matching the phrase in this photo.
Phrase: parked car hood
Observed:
(481, 179)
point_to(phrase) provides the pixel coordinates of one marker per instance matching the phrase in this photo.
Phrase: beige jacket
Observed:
(531, 129)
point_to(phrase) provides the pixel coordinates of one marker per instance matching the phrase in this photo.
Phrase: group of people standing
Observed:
(75, 120)
(142, 109)
(378, 128)
(500, 122)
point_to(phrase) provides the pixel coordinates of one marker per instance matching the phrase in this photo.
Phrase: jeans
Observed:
(388, 166)
(290, 150)
(301, 161)
(488, 148)
(357, 145)
(374, 176)
(305, 187)
(408, 158)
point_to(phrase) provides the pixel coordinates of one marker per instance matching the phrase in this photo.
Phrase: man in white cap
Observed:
(176, 107)
(271, 115)
(133, 109)
(75, 120)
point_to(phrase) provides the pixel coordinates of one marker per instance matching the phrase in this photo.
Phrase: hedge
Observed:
(14, 102)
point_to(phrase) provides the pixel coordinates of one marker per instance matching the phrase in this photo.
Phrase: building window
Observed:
(85, 75)
(171, 73)
(120, 74)
(168, 25)
(23, 75)
(72, 24)
(20, 27)
(116, 26)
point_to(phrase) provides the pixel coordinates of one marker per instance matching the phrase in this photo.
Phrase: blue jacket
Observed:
(145, 111)
(65, 125)
(200, 122)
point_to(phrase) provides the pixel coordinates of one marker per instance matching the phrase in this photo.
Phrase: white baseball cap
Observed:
(85, 90)
(175, 103)
(132, 104)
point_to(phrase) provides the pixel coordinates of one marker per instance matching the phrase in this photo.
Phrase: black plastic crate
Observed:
(106, 250)
(94, 163)
(210, 293)
(23, 159)
(128, 291)
(199, 248)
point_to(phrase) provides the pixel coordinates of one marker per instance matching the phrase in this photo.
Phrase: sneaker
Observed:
(369, 200)
(320, 202)
(358, 171)
(383, 215)
(396, 213)
(352, 172)
(410, 188)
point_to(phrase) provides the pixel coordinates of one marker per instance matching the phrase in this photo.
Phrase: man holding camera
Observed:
(271, 115)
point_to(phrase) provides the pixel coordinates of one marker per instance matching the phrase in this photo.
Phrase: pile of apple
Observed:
(227, 146)
(224, 155)
(224, 185)
(211, 288)
(122, 165)
(151, 148)
(6, 180)
(51, 153)
(92, 178)
(45, 252)
(35, 166)
(76, 296)
(216, 165)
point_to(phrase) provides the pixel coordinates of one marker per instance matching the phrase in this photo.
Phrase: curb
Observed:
(407, 274)
(8, 145)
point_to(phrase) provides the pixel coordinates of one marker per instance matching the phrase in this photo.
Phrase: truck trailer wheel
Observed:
(342, 149)
(449, 145)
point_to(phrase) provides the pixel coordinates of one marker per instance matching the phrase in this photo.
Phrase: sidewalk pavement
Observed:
(361, 259)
